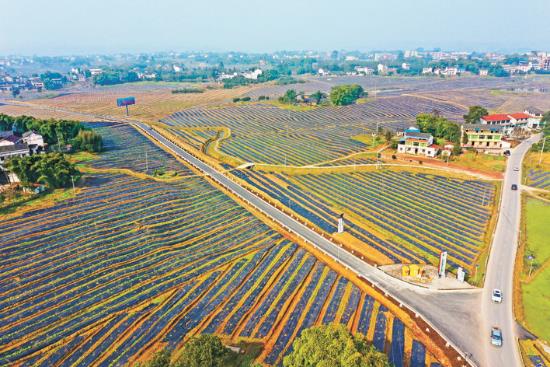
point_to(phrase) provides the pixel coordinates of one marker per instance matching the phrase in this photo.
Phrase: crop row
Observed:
(125, 147)
(267, 134)
(427, 213)
(129, 264)
(539, 179)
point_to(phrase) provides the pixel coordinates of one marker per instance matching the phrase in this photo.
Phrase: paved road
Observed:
(449, 312)
(500, 269)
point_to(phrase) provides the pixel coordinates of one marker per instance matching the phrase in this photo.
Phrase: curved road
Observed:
(500, 268)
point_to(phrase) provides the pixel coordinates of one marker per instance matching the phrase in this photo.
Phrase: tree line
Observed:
(52, 170)
(341, 95)
(320, 346)
(56, 133)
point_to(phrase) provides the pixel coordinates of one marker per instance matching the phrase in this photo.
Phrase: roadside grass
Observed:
(481, 162)
(531, 161)
(477, 278)
(34, 202)
(535, 289)
(80, 157)
(301, 170)
(368, 140)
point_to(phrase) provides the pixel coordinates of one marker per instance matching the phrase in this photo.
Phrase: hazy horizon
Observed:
(63, 27)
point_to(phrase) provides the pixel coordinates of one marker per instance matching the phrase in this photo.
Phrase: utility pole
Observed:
(542, 148)
(146, 162)
(375, 133)
(72, 180)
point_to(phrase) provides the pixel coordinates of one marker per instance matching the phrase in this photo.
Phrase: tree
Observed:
(439, 127)
(160, 359)
(203, 351)
(545, 119)
(289, 97)
(388, 136)
(465, 139)
(51, 169)
(333, 346)
(88, 140)
(474, 114)
(344, 95)
(318, 96)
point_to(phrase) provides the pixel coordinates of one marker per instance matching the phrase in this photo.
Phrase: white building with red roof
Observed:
(509, 121)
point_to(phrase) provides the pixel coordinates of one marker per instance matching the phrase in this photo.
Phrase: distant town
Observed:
(39, 73)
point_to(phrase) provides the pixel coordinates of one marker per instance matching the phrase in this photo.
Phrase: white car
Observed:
(497, 296)
(496, 337)
(516, 169)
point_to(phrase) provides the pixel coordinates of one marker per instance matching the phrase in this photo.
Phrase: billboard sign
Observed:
(126, 101)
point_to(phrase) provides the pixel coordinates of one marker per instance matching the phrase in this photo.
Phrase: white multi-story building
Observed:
(417, 143)
(484, 138)
(510, 121)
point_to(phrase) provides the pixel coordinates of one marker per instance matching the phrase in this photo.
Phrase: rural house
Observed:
(485, 138)
(510, 121)
(34, 141)
(415, 142)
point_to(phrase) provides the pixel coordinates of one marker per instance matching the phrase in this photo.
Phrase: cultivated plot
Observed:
(268, 134)
(131, 265)
(400, 217)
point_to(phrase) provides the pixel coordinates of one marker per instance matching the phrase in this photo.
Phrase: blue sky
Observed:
(63, 27)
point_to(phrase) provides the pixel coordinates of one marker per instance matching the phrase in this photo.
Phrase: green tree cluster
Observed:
(318, 96)
(201, 351)
(111, 77)
(333, 346)
(343, 95)
(53, 80)
(52, 170)
(440, 127)
(545, 123)
(266, 76)
(289, 97)
(88, 140)
(474, 114)
(55, 132)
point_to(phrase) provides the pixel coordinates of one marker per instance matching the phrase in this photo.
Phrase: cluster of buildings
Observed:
(492, 132)
(491, 135)
(12, 145)
(448, 71)
(10, 83)
(252, 75)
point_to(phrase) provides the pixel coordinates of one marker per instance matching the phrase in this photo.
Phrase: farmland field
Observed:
(153, 100)
(126, 148)
(130, 265)
(399, 217)
(266, 134)
(389, 85)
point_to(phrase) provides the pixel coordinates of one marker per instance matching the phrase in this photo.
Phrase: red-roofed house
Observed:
(496, 119)
(510, 121)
